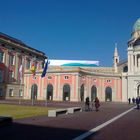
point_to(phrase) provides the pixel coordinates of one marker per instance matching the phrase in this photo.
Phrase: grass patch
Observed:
(18, 111)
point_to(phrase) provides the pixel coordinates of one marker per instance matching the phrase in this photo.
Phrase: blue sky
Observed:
(71, 29)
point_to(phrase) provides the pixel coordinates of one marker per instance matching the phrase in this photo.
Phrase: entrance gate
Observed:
(108, 94)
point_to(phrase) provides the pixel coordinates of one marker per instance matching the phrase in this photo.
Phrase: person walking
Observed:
(87, 104)
(138, 102)
(133, 100)
(97, 103)
(129, 100)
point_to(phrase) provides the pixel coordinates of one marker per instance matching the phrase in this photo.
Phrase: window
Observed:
(19, 60)
(1, 57)
(11, 92)
(1, 76)
(42, 65)
(66, 77)
(108, 81)
(1, 92)
(20, 93)
(49, 77)
(36, 66)
(83, 77)
(28, 64)
(11, 76)
(125, 69)
(11, 60)
(94, 80)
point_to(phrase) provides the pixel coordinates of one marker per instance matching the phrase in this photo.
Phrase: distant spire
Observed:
(116, 59)
(116, 50)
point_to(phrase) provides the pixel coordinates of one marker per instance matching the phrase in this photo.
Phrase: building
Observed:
(69, 80)
(72, 82)
(132, 78)
(15, 56)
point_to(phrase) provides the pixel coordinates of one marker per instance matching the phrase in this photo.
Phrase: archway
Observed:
(138, 90)
(93, 93)
(34, 92)
(108, 94)
(49, 95)
(66, 92)
(82, 92)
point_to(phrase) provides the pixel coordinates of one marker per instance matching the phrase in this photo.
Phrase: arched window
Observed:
(34, 92)
(49, 95)
(66, 92)
(1, 56)
(108, 94)
(82, 92)
(125, 69)
(93, 93)
(138, 90)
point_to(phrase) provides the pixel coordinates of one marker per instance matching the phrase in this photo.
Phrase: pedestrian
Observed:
(97, 103)
(92, 104)
(133, 100)
(129, 100)
(87, 108)
(138, 102)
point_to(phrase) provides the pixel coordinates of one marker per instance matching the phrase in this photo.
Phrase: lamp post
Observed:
(20, 92)
(20, 81)
(46, 101)
(33, 70)
(33, 92)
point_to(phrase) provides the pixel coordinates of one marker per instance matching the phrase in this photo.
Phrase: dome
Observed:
(136, 26)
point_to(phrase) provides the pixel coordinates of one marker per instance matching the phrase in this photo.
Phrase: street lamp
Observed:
(33, 70)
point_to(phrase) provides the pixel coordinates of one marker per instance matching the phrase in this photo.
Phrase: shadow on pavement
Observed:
(18, 131)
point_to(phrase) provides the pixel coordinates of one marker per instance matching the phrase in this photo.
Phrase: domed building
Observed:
(136, 26)
(133, 76)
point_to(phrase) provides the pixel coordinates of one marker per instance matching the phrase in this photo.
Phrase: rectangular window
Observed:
(20, 93)
(11, 93)
(1, 92)
(36, 66)
(108, 81)
(42, 65)
(66, 77)
(49, 77)
(11, 76)
(28, 64)
(1, 57)
(1, 76)
(20, 60)
(11, 60)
